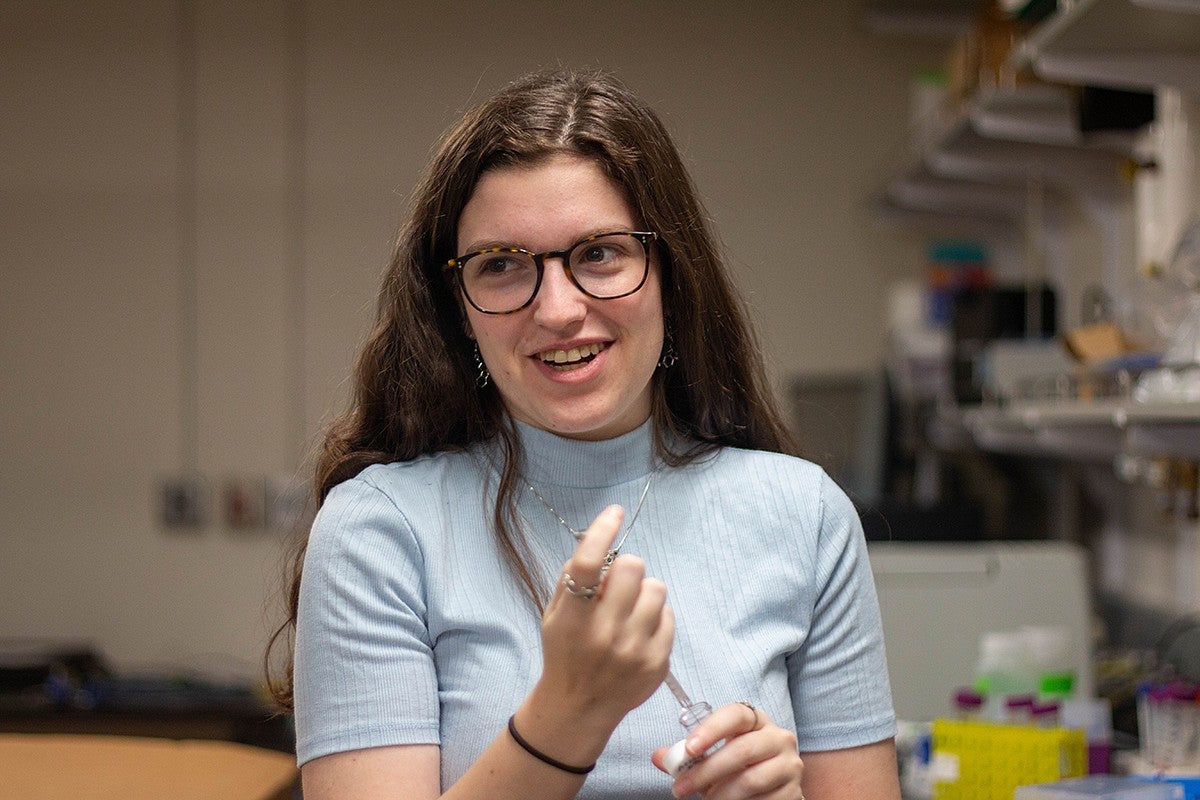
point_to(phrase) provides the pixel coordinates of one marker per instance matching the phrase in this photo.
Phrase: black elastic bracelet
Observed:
(545, 759)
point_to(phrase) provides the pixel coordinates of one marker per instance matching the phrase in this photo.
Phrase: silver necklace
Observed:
(578, 534)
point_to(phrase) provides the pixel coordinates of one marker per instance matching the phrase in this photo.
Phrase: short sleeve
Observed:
(364, 670)
(839, 681)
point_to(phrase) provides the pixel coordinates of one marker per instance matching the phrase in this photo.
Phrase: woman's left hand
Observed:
(758, 759)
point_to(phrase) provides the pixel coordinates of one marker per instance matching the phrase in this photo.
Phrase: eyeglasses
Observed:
(501, 280)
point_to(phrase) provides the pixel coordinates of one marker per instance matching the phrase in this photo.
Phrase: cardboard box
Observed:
(1099, 341)
(59, 766)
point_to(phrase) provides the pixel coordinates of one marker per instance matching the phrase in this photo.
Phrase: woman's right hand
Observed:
(605, 655)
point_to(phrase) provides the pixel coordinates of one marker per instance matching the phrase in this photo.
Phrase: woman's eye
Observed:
(597, 254)
(497, 265)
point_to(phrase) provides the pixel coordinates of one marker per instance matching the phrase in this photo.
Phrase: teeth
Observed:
(572, 355)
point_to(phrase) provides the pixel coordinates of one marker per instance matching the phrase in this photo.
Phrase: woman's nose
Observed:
(559, 301)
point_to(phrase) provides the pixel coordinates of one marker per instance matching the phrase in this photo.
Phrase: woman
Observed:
(557, 345)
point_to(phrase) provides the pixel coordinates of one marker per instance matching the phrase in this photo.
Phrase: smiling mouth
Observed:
(571, 359)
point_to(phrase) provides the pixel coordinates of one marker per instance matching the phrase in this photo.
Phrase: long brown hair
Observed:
(415, 380)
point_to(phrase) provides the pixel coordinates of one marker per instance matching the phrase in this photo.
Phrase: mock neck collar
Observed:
(552, 460)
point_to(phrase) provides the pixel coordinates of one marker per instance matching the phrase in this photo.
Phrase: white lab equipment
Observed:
(938, 599)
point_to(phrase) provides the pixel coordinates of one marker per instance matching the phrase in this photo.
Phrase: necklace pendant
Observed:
(611, 556)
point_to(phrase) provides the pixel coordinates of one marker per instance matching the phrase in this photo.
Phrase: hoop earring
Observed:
(668, 357)
(483, 377)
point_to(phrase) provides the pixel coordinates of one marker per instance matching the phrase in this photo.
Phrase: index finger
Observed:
(592, 551)
(585, 567)
(726, 722)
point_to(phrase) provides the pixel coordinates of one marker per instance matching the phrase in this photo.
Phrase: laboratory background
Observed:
(968, 233)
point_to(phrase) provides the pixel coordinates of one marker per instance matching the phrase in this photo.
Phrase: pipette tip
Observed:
(677, 690)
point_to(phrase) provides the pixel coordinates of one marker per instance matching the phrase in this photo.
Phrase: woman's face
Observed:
(551, 206)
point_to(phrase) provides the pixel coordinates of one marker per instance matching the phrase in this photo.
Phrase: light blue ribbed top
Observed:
(411, 630)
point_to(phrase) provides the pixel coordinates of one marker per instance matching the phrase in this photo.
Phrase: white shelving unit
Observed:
(1134, 44)
(990, 165)
(981, 161)
(1007, 137)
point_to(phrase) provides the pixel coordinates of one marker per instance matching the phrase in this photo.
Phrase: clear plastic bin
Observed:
(1169, 725)
(1100, 787)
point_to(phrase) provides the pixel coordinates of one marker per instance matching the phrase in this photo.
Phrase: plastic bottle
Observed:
(968, 704)
(1018, 709)
(1003, 671)
(1044, 713)
(1094, 716)
(677, 761)
(1049, 653)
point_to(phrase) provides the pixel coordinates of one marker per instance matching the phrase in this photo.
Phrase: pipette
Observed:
(692, 714)
(677, 690)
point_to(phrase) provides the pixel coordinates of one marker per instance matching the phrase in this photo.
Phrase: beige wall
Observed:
(790, 114)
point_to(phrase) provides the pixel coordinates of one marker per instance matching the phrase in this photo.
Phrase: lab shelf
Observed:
(1100, 412)
(967, 154)
(1040, 114)
(994, 429)
(921, 189)
(1033, 113)
(1006, 135)
(979, 163)
(1160, 412)
(1100, 429)
(975, 182)
(1179, 439)
(889, 212)
(1016, 143)
(1125, 44)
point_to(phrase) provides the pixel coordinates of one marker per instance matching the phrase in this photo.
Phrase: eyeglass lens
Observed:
(605, 267)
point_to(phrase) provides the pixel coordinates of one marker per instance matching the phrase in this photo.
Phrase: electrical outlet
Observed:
(183, 502)
(243, 503)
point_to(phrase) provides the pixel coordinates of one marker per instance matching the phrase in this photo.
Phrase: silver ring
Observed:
(575, 590)
(753, 708)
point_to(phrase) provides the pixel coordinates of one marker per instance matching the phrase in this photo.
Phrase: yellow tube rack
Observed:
(988, 760)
